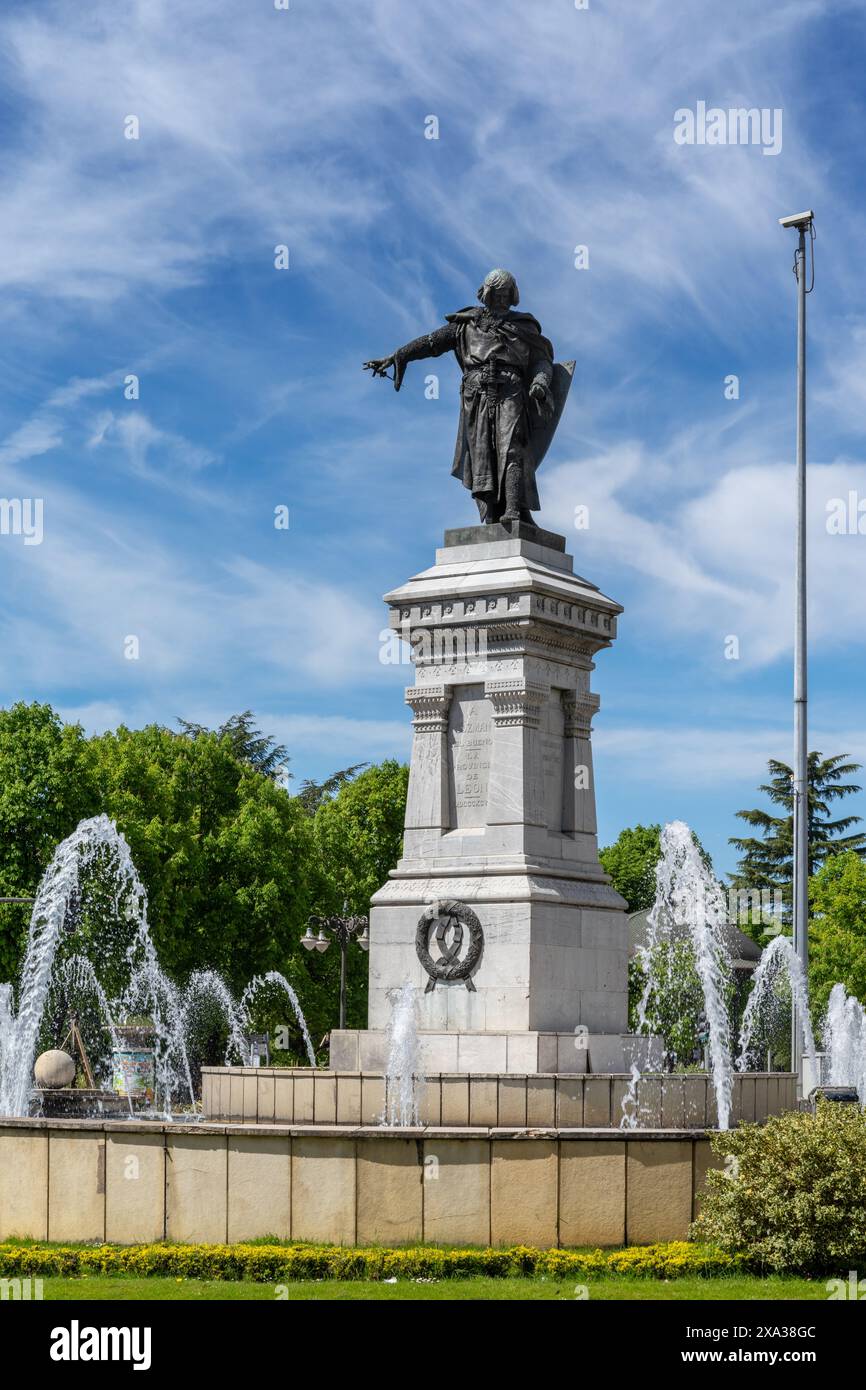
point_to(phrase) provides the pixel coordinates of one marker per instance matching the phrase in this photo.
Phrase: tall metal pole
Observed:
(803, 224)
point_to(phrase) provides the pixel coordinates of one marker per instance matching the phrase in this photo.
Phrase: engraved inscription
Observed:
(470, 741)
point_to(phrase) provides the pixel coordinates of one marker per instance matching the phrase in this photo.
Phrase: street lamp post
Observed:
(342, 929)
(802, 224)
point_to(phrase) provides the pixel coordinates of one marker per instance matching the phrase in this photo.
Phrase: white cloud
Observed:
(97, 716)
(302, 625)
(720, 560)
(258, 126)
(342, 740)
(94, 581)
(153, 453)
(46, 428)
(703, 757)
(223, 99)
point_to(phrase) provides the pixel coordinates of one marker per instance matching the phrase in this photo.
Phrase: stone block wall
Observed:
(138, 1181)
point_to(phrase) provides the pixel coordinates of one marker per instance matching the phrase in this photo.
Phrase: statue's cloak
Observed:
(525, 329)
(498, 418)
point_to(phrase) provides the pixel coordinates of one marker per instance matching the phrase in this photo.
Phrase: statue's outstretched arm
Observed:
(430, 345)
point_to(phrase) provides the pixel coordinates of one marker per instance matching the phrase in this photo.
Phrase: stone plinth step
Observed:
(515, 1051)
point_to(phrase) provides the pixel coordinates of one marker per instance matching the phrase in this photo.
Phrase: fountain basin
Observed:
(268, 1095)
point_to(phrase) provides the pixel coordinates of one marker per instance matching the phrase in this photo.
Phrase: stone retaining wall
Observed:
(138, 1181)
(271, 1095)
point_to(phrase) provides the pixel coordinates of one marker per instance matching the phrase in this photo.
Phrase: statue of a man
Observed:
(508, 404)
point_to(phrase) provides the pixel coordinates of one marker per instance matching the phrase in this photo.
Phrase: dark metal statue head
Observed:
(502, 286)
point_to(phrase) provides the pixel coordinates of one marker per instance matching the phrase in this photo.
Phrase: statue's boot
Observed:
(513, 480)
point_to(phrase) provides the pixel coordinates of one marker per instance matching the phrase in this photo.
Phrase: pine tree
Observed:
(249, 744)
(314, 794)
(768, 862)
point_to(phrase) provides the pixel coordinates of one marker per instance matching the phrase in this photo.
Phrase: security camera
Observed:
(797, 219)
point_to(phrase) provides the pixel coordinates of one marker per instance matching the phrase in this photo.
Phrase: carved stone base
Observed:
(500, 874)
(554, 953)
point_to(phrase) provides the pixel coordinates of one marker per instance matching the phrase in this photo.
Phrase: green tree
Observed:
(47, 785)
(674, 1004)
(225, 854)
(631, 862)
(837, 931)
(233, 864)
(767, 859)
(359, 835)
(314, 794)
(359, 838)
(249, 745)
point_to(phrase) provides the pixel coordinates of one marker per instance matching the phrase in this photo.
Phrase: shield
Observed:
(544, 430)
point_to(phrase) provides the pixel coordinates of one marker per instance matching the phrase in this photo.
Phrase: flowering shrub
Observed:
(285, 1263)
(792, 1194)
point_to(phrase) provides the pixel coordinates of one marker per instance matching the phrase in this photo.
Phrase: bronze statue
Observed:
(511, 397)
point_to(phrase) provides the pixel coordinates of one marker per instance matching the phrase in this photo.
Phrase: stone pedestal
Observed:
(500, 819)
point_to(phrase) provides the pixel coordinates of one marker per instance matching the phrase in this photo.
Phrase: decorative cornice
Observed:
(430, 705)
(578, 615)
(516, 701)
(579, 713)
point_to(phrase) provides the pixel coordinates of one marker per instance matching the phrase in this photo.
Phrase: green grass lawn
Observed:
(128, 1288)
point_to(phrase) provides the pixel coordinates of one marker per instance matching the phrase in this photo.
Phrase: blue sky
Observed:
(305, 127)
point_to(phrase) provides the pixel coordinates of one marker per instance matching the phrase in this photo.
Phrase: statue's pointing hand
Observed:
(379, 365)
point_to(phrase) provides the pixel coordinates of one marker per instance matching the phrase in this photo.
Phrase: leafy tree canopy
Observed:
(233, 864)
(631, 862)
(359, 835)
(222, 849)
(47, 785)
(837, 932)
